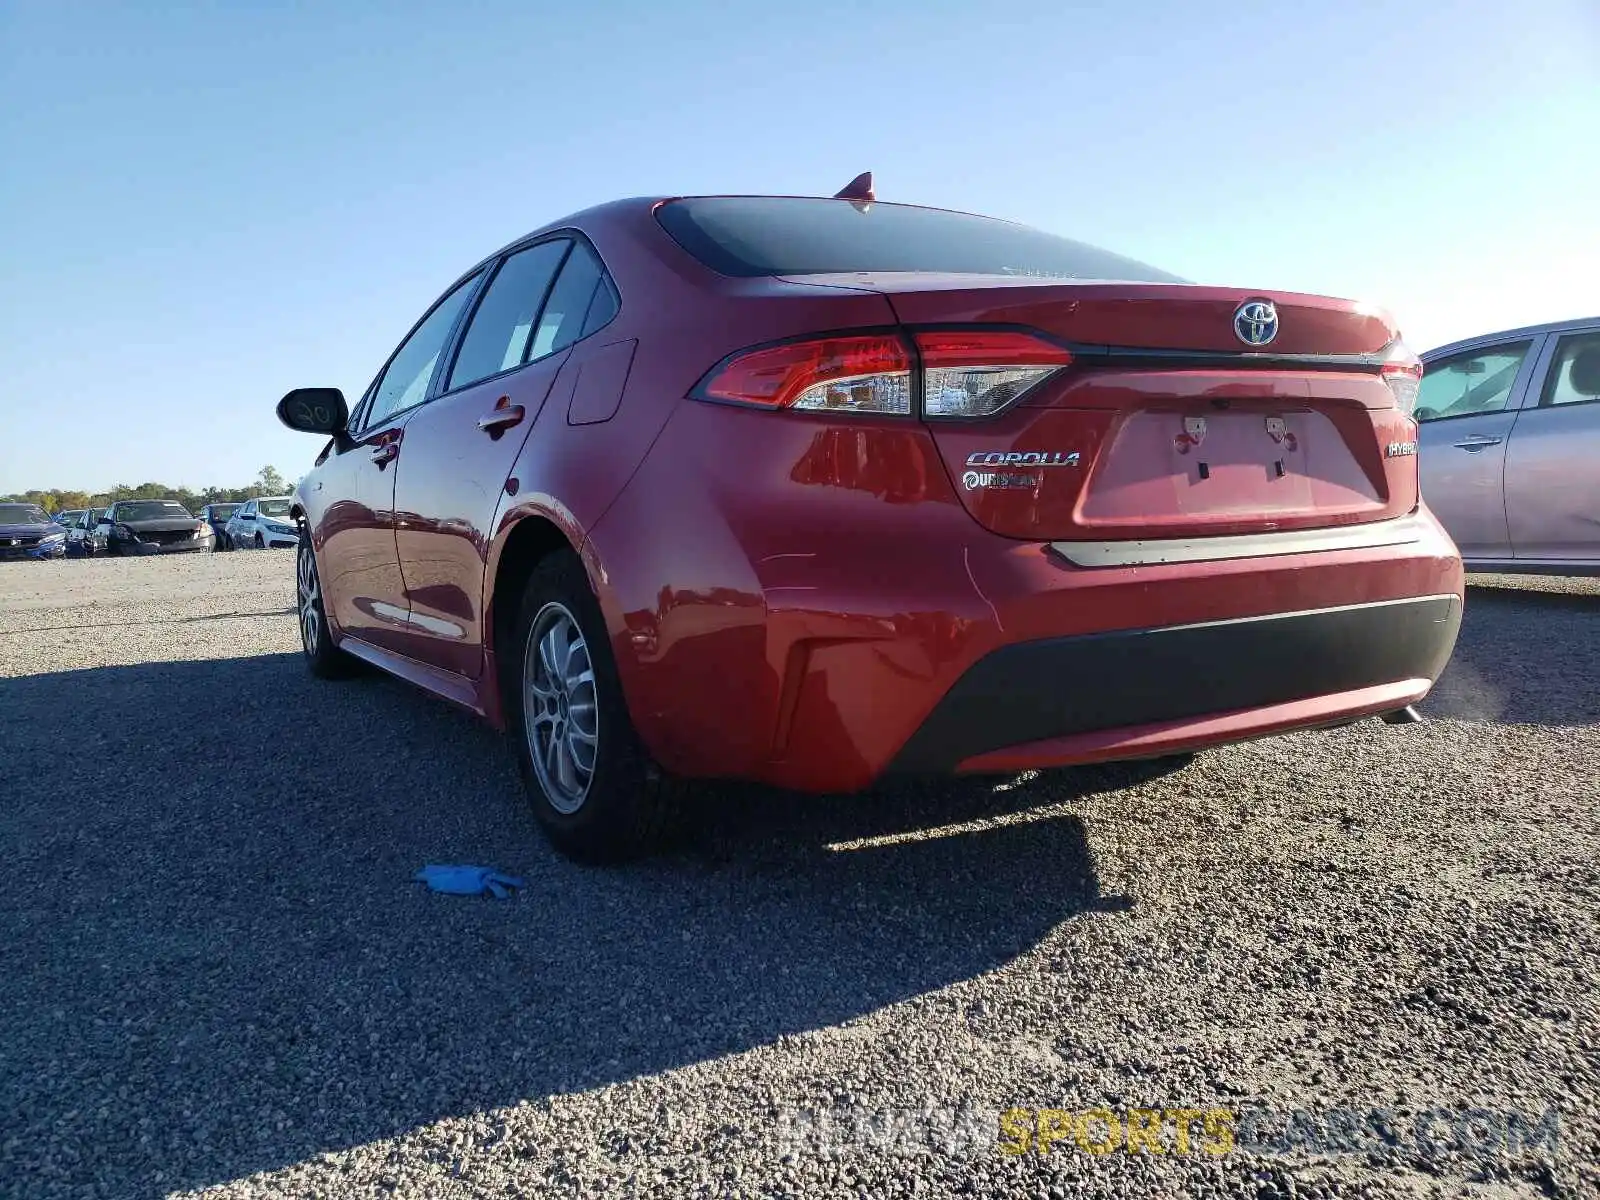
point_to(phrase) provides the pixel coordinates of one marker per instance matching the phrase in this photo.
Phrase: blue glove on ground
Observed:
(467, 881)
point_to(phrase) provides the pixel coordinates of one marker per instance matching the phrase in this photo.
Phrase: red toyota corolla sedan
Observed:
(811, 490)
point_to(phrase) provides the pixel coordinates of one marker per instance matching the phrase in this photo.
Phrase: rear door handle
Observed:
(502, 417)
(1478, 441)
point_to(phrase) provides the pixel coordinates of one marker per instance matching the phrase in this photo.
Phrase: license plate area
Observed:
(1163, 465)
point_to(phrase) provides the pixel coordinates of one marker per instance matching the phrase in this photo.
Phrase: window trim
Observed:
(478, 273)
(572, 237)
(1547, 371)
(483, 292)
(1516, 395)
(359, 427)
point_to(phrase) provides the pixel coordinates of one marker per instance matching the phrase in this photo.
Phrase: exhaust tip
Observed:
(1404, 716)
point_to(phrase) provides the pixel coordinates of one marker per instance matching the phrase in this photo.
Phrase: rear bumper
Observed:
(1141, 691)
(812, 607)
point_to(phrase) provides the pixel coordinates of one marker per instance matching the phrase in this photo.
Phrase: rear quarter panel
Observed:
(683, 320)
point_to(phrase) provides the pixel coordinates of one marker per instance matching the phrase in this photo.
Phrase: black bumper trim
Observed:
(1031, 691)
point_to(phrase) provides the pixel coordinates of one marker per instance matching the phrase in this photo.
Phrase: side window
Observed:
(1574, 372)
(565, 318)
(603, 307)
(497, 338)
(1470, 384)
(406, 380)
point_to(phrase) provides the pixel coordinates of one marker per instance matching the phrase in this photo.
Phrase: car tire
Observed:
(593, 787)
(324, 658)
(261, 543)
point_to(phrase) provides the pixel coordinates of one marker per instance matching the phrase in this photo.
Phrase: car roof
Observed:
(1507, 334)
(634, 208)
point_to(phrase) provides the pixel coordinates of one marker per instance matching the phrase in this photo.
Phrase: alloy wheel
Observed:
(560, 708)
(310, 601)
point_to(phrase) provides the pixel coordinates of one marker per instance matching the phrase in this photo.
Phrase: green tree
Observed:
(271, 483)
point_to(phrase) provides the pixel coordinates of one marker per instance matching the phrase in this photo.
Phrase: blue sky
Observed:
(207, 204)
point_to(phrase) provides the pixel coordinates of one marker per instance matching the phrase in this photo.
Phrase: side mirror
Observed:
(314, 410)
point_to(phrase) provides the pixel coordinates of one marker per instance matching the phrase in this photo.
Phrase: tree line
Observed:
(54, 500)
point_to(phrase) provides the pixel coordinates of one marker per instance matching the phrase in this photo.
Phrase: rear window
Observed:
(764, 235)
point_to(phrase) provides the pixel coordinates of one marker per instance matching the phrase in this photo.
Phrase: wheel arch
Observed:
(524, 540)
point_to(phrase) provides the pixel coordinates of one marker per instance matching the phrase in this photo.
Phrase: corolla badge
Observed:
(1256, 322)
(1023, 458)
(1012, 468)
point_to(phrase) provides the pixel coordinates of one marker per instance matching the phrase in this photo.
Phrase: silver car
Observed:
(1509, 451)
(262, 522)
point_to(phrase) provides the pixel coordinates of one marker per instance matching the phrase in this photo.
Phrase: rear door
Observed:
(1466, 408)
(460, 447)
(1552, 475)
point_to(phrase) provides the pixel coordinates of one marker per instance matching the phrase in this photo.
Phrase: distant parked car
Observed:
(26, 531)
(149, 527)
(1510, 439)
(80, 534)
(263, 523)
(68, 517)
(216, 516)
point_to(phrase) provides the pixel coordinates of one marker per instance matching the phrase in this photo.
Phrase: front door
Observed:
(361, 582)
(354, 490)
(1466, 408)
(1553, 458)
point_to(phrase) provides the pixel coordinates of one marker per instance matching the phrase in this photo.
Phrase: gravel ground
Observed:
(216, 974)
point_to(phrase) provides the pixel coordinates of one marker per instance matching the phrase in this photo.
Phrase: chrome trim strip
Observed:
(1400, 531)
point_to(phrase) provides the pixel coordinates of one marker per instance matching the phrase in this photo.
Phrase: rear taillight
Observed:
(868, 373)
(1402, 371)
(963, 373)
(977, 372)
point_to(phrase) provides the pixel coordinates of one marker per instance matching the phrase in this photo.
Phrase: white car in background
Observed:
(263, 523)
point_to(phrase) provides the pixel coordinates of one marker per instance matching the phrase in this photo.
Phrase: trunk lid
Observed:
(1153, 316)
(1167, 424)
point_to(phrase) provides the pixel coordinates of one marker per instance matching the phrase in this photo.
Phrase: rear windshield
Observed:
(766, 235)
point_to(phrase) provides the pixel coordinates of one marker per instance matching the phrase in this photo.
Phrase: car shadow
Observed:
(1524, 657)
(216, 961)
